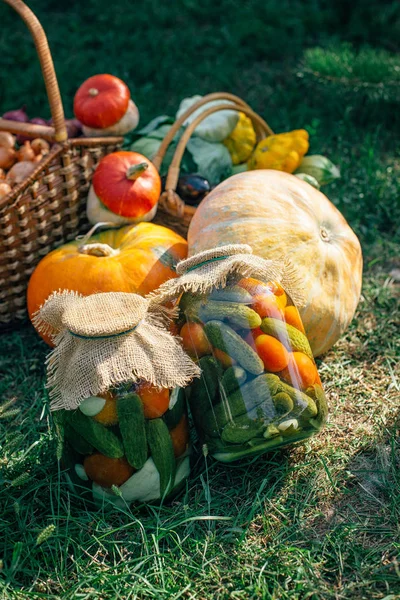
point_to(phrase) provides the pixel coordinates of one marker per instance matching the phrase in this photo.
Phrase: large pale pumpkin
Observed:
(279, 215)
(136, 258)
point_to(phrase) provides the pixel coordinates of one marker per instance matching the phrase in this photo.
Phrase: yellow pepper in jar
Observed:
(282, 152)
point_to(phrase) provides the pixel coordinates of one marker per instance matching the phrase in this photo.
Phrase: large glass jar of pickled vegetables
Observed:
(259, 388)
(116, 381)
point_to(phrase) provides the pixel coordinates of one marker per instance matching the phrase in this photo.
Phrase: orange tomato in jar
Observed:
(155, 401)
(225, 360)
(107, 471)
(194, 340)
(300, 372)
(254, 286)
(272, 352)
(108, 415)
(267, 306)
(292, 317)
(180, 436)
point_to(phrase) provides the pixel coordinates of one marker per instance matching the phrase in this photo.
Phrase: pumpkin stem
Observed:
(136, 171)
(97, 249)
(93, 92)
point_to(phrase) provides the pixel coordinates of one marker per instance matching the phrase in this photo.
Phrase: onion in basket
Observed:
(20, 171)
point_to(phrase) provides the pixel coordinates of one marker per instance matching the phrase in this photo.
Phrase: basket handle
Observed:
(159, 157)
(169, 199)
(57, 133)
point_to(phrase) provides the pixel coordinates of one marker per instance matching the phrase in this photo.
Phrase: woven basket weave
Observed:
(48, 208)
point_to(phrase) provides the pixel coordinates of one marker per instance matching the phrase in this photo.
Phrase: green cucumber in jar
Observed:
(241, 430)
(174, 414)
(224, 338)
(253, 399)
(162, 452)
(133, 430)
(104, 440)
(233, 293)
(239, 315)
(76, 440)
(204, 393)
(233, 378)
(292, 338)
(317, 393)
(304, 405)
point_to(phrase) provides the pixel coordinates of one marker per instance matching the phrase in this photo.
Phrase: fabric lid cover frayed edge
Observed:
(85, 365)
(211, 268)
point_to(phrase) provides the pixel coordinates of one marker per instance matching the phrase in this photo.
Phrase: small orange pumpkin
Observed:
(103, 105)
(128, 185)
(136, 258)
(101, 101)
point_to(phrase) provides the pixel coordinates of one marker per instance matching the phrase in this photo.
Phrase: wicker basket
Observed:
(172, 210)
(48, 208)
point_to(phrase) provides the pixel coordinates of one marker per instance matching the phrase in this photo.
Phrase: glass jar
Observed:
(128, 445)
(259, 388)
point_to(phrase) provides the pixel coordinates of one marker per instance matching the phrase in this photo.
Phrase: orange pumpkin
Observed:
(101, 101)
(280, 215)
(103, 105)
(136, 258)
(128, 185)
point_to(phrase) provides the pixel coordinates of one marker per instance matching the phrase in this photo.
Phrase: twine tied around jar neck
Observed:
(107, 339)
(210, 269)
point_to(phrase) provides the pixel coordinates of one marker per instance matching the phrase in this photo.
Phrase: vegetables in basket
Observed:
(242, 140)
(216, 127)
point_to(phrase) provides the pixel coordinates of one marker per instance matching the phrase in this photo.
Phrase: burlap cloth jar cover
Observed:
(238, 319)
(115, 381)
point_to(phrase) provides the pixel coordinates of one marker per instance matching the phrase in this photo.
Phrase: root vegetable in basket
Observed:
(125, 189)
(104, 107)
(137, 258)
(280, 215)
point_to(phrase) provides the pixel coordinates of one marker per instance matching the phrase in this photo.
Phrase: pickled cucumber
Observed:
(223, 337)
(233, 378)
(241, 430)
(204, 393)
(304, 405)
(233, 293)
(283, 403)
(316, 392)
(237, 314)
(290, 337)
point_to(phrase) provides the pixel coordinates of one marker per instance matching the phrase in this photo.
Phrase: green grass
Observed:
(320, 521)
(367, 66)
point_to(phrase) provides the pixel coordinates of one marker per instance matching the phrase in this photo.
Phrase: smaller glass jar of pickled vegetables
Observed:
(259, 388)
(116, 382)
